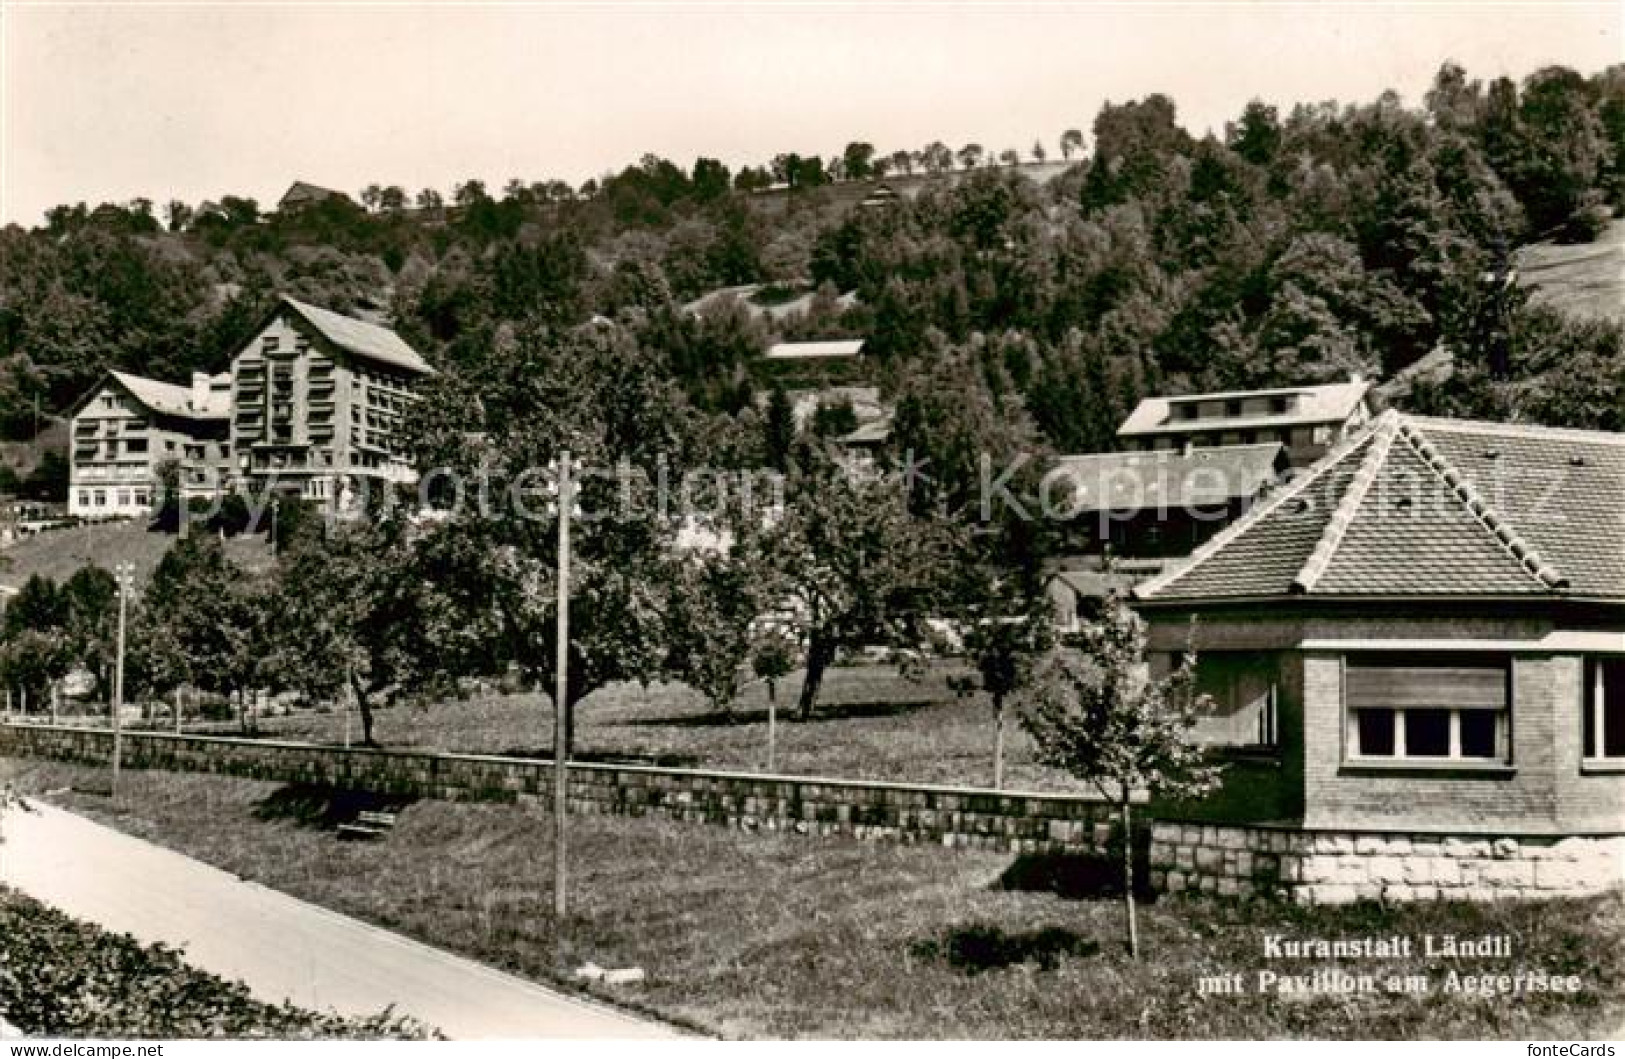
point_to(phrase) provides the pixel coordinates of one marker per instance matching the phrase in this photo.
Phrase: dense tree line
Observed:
(1298, 246)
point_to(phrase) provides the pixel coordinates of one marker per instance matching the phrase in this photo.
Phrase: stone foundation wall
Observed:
(1327, 867)
(961, 818)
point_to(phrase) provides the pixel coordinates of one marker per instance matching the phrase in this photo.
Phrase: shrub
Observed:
(63, 978)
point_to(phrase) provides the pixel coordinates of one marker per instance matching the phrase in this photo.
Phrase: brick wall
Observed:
(946, 816)
(1335, 867)
(1544, 790)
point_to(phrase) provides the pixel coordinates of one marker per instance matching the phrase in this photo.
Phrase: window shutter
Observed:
(1409, 685)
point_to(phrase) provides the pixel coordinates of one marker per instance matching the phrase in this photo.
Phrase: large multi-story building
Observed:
(1307, 420)
(318, 398)
(313, 400)
(128, 426)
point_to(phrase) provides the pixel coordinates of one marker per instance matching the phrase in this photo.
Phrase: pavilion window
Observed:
(1428, 707)
(1605, 709)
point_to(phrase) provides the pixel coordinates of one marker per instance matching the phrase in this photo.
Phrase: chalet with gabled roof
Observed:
(301, 195)
(127, 427)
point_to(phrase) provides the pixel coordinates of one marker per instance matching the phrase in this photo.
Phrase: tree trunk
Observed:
(363, 705)
(998, 742)
(820, 653)
(1128, 878)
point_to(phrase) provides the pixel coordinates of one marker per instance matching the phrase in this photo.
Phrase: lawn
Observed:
(871, 724)
(57, 553)
(783, 936)
(1585, 279)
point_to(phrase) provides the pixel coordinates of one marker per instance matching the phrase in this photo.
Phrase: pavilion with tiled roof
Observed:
(1422, 632)
(1417, 507)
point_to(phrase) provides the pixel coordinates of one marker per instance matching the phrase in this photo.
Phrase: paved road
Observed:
(283, 948)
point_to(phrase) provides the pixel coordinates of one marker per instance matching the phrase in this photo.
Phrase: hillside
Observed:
(1585, 280)
(58, 553)
(1302, 246)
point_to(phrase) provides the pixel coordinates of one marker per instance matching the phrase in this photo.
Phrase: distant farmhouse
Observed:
(301, 195)
(1307, 420)
(313, 399)
(763, 302)
(882, 194)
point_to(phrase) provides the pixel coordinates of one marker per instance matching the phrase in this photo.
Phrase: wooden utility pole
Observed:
(126, 573)
(561, 730)
(349, 701)
(772, 725)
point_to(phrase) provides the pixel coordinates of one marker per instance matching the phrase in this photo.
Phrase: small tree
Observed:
(1099, 715)
(355, 613)
(772, 656)
(1011, 633)
(859, 567)
(208, 615)
(33, 660)
(712, 603)
(90, 602)
(779, 429)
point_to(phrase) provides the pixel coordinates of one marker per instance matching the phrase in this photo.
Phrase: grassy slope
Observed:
(1587, 280)
(779, 936)
(58, 553)
(23, 456)
(871, 724)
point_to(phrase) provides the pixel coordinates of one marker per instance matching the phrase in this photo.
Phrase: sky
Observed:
(110, 101)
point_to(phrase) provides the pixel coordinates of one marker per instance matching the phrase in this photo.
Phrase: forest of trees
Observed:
(1299, 246)
(1004, 318)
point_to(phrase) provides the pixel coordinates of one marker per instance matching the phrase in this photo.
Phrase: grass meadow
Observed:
(783, 936)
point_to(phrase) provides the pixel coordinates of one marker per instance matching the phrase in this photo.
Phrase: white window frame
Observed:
(1594, 700)
(1453, 757)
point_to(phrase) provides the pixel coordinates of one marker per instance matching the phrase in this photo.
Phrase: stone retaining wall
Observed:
(1241, 860)
(1326, 867)
(953, 817)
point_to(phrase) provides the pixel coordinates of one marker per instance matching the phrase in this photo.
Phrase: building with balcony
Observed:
(126, 428)
(311, 404)
(317, 402)
(1307, 420)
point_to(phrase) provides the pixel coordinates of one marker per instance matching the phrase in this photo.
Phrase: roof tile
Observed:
(1430, 507)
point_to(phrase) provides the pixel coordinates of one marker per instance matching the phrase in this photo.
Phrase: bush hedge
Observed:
(60, 977)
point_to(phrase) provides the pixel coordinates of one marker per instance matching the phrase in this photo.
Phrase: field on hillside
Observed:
(23, 456)
(1587, 279)
(846, 194)
(58, 553)
(871, 724)
(774, 936)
